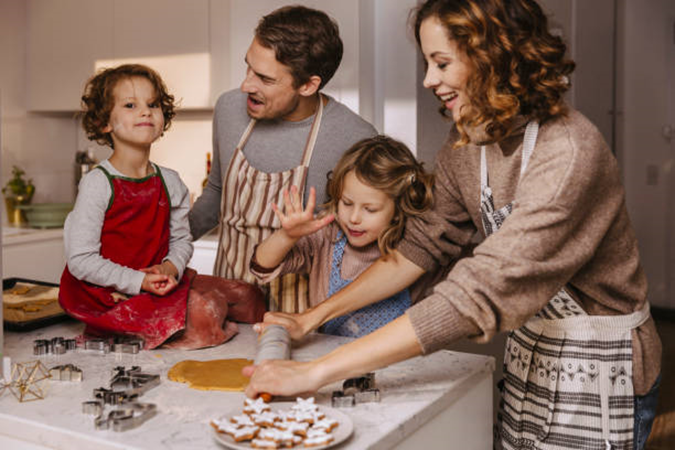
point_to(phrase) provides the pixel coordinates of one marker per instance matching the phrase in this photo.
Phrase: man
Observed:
(277, 131)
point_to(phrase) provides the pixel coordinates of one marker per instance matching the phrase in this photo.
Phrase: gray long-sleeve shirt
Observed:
(82, 232)
(274, 146)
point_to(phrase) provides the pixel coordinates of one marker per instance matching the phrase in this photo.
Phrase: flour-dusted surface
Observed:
(412, 393)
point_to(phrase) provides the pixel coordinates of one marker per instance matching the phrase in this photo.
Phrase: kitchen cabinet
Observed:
(33, 254)
(69, 40)
(197, 46)
(64, 39)
(204, 255)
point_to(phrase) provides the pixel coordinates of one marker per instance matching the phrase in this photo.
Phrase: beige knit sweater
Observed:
(569, 227)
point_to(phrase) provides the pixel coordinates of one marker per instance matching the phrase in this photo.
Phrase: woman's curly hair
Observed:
(519, 67)
(98, 99)
(389, 166)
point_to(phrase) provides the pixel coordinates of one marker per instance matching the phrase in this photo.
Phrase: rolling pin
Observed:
(273, 343)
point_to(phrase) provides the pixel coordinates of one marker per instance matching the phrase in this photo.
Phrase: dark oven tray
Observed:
(29, 325)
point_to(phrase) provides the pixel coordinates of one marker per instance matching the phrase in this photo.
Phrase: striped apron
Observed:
(247, 219)
(567, 375)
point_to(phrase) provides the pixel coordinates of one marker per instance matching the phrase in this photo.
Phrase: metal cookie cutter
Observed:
(126, 386)
(66, 372)
(93, 408)
(132, 381)
(127, 345)
(356, 390)
(41, 347)
(56, 346)
(110, 397)
(99, 345)
(126, 418)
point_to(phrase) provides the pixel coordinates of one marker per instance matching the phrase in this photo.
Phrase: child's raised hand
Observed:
(158, 283)
(297, 222)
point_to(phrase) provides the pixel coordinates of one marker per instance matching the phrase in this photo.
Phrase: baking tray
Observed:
(29, 325)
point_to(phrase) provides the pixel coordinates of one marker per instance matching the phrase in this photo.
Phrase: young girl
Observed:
(374, 187)
(128, 240)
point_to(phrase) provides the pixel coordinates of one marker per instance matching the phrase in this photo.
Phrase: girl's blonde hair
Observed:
(389, 166)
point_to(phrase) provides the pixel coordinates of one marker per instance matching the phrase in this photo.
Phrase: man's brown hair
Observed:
(305, 40)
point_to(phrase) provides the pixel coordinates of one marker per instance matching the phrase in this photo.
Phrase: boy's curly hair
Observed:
(519, 67)
(98, 99)
(387, 165)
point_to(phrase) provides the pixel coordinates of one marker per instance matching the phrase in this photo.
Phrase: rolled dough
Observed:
(214, 375)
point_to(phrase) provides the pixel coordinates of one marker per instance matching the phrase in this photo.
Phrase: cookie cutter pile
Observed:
(356, 390)
(56, 346)
(59, 345)
(125, 388)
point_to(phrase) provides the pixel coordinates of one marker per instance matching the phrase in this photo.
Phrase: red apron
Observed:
(135, 234)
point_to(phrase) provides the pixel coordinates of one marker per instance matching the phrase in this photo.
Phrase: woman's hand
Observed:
(281, 377)
(392, 343)
(297, 222)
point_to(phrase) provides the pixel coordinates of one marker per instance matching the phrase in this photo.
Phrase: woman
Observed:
(558, 266)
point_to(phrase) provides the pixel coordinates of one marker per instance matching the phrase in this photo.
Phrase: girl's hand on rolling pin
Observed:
(296, 324)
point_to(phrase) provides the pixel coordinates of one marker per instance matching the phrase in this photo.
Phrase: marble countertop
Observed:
(412, 393)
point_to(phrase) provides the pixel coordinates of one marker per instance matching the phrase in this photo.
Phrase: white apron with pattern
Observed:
(247, 218)
(567, 375)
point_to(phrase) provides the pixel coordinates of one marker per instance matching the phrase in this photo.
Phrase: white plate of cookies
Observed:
(299, 424)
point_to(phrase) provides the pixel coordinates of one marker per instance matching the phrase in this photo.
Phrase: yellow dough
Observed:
(215, 375)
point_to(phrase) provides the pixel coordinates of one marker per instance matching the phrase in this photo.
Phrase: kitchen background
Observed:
(624, 82)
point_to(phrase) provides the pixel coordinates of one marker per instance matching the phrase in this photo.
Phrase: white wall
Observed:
(647, 156)
(48, 155)
(43, 145)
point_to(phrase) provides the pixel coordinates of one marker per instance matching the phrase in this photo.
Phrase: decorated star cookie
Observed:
(316, 438)
(256, 406)
(238, 433)
(264, 443)
(326, 424)
(299, 428)
(265, 419)
(302, 404)
(285, 438)
(242, 420)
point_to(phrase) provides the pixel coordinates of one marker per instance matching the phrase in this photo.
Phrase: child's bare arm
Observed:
(296, 222)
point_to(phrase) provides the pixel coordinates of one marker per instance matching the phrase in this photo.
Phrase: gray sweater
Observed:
(274, 146)
(82, 232)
